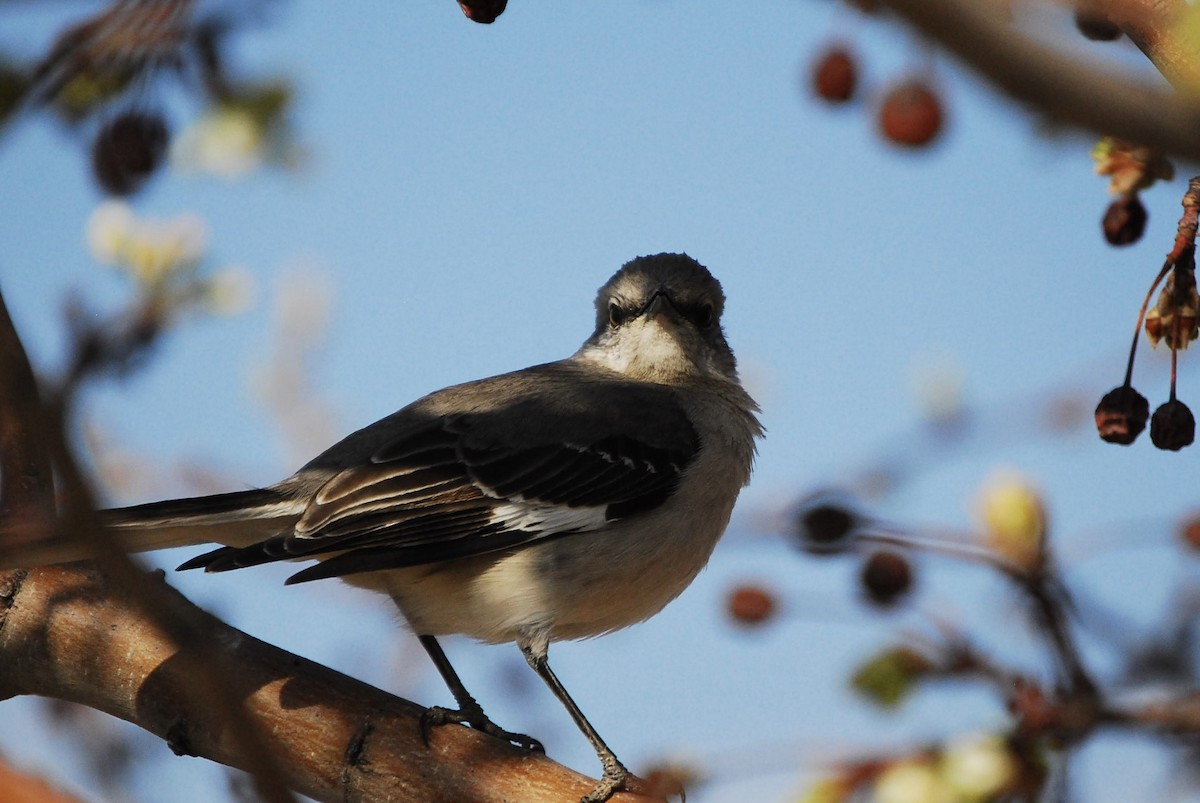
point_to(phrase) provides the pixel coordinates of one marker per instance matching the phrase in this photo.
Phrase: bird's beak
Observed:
(658, 303)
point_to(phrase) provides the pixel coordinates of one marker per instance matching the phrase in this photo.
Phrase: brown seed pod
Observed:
(1121, 415)
(1173, 426)
(1124, 220)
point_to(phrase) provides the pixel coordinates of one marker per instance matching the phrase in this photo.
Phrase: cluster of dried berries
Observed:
(827, 528)
(910, 113)
(1122, 413)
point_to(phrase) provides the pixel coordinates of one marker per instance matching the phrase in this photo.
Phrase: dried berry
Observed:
(911, 114)
(835, 75)
(1124, 220)
(1173, 426)
(1189, 532)
(886, 576)
(750, 604)
(127, 150)
(1096, 26)
(482, 11)
(1121, 415)
(825, 528)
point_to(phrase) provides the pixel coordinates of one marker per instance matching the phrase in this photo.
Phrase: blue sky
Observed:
(466, 190)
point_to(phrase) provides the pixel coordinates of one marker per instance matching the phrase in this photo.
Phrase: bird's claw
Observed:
(615, 779)
(436, 716)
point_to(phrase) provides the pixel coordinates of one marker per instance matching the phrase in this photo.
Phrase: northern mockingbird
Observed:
(562, 501)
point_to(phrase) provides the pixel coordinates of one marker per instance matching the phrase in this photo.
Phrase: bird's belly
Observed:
(570, 587)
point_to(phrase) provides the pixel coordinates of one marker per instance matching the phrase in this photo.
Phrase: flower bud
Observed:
(1014, 520)
(911, 781)
(978, 767)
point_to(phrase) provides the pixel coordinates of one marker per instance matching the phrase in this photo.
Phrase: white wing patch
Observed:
(543, 517)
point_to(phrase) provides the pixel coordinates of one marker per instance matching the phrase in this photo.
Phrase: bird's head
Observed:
(659, 319)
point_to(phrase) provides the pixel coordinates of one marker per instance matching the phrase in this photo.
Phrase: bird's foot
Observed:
(615, 779)
(435, 716)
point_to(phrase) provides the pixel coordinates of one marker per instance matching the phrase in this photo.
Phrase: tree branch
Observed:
(1152, 25)
(36, 427)
(67, 632)
(26, 489)
(1070, 90)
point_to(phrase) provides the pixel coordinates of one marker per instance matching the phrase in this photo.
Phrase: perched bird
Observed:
(562, 501)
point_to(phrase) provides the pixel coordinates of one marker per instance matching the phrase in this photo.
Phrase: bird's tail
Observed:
(235, 519)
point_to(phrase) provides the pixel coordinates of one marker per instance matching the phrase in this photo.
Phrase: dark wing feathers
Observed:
(366, 490)
(432, 483)
(398, 557)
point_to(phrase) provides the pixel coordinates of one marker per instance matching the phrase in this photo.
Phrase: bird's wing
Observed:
(446, 486)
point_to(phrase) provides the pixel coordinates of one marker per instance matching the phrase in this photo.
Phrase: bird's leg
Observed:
(469, 711)
(615, 775)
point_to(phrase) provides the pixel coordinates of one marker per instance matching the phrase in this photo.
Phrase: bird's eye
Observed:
(701, 315)
(616, 315)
